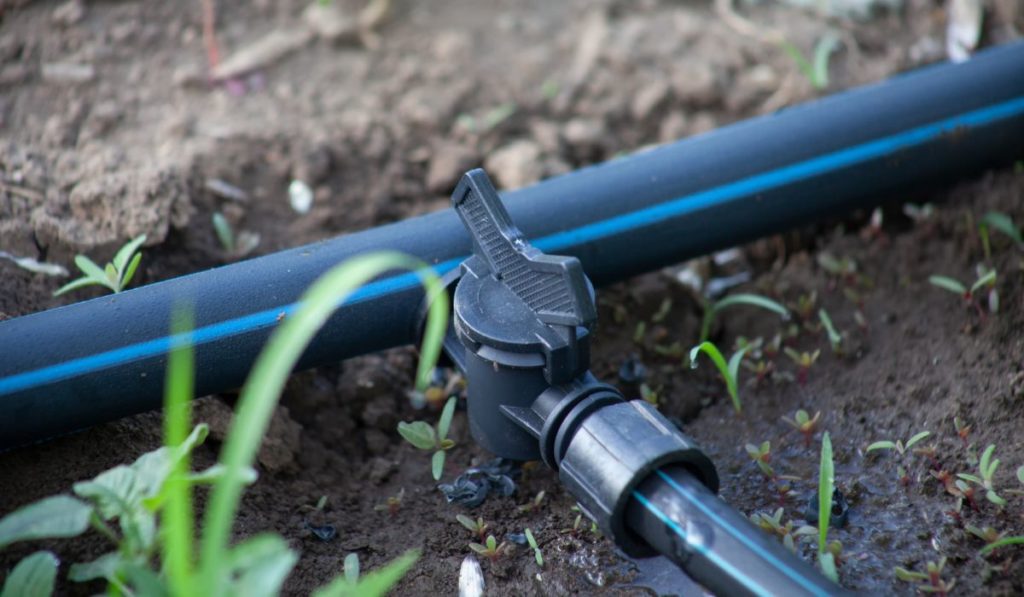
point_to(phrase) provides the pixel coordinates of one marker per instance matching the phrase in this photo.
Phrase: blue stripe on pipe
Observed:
(719, 195)
(743, 537)
(750, 583)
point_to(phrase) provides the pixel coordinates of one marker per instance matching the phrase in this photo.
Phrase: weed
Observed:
(826, 486)
(805, 305)
(816, 69)
(392, 504)
(835, 339)
(920, 214)
(841, 268)
(804, 360)
(805, 424)
(116, 275)
(1005, 541)
(773, 524)
(649, 395)
(962, 430)
(234, 245)
(927, 582)
(762, 456)
(490, 119)
(533, 504)
(762, 370)
(711, 310)
(988, 534)
(985, 278)
(427, 438)
(729, 371)
(986, 469)
(353, 583)
(490, 549)
(477, 527)
(1001, 222)
(537, 555)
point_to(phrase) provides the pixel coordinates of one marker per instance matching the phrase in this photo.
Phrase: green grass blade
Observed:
(734, 363)
(376, 583)
(224, 233)
(76, 284)
(822, 52)
(177, 540)
(752, 300)
(1005, 541)
(833, 336)
(917, 437)
(437, 464)
(947, 283)
(125, 253)
(272, 368)
(446, 419)
(826, 483)
(988, 279)
(802, 64)
(128, 274)
(716, 357)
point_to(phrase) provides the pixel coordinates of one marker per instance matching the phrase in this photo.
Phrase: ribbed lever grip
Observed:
(552, 286)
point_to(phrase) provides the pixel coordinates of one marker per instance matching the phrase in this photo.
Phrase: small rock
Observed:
(516, 164)
(329, 22)
(380, 470)
(649, 98)
(695, 84)
(702, 123)
(313, 164)
(69, 13)
(546, 134)
(586, 132)
(673, 127)
(68, 72)
(448, 162)
(226, 190)
(262, 52)
(300, 196)
(13, 74)
(282, 441)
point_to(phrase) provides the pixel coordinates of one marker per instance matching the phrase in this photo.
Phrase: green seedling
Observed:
(762, 456)
(986, 469)
(234, 245)
(1001, 222)
(427, 438)
(663, 310)
(963, 430)
(1003, 542)
(773, 524)
(490, 549)
(711, 310)
(920, 214)
(898, 445)
(649, 395)
(392, 504)
(927, 582)
(805, 424)
(753, 347)
(804, 360)
(835, 339)
(534, 504)
(762, 370)
(352, 583)
(537, 555)
(639, 332)
(805, 305)
(988, 534)
(478, 527)
(986, 278)
(490, 119)
(729, 371)
(116, 275)
(826, 486)
(816, 69)
(840, 268)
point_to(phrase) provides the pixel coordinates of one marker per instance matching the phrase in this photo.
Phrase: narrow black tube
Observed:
(97, 360)
(714, 544)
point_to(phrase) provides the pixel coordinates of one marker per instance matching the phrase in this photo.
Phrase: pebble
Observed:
(516, 164)
(448, 162)
(329, 22)
(649, 98)
(68, 13)
(300, 196)
(68, 72)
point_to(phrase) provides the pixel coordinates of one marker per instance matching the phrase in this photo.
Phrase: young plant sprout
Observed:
(988, 534)
(711, 310)
(729, 371)
(986, 469)
(773, 524)
(533, 504)
(898, 445)
(927, 582)
(762, 456)
(427, 438)
(537, 555)
(816, 69)
(116, 275)
(238, 245)
(649, 395)
(477, 527)
(805, 305)
(835, 339)
(986, 278)
(1001, 222)
(805, 424)
(762, 370)
(826, 486)
(844, 268)
(377, 583)
(490, 549)
(804, 360)
(392, 504)
(920, 214)
(963, 430)
(1003, 542)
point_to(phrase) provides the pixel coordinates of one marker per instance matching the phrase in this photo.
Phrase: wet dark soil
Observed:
(380, 127)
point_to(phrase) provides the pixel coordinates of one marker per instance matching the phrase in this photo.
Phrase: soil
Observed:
(110, 129)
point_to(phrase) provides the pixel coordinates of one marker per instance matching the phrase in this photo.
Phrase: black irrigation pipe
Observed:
(94, 361)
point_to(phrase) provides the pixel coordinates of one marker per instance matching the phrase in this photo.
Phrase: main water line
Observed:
(94, 361)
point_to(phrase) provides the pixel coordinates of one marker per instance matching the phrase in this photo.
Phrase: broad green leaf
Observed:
(115, 492)
(1019, 540)
(917, 437)
(105, 567)
(130, 272)
(260, 565)
(947, 283)
(32, 577)
(374, 584)
(152, 468)
(419, 434)
(52, 517)
(882, 445)
(446, 419)
(125, 252)
(437, 464)
(1004, 224)
(723, 369)
(994, 498)
(75, 285)
(826, 486)
(90, 269)
(988, 279)
(144, 581)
